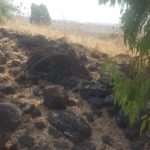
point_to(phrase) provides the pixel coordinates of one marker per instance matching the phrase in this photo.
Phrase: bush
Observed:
(132, 91)
(40, 15)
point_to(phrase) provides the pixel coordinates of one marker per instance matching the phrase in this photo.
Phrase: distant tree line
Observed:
(40, 15)
(5, 10)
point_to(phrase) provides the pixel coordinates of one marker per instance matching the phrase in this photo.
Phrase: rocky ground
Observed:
(54, 96)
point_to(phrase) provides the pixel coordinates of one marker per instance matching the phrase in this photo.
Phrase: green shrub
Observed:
(132, 91)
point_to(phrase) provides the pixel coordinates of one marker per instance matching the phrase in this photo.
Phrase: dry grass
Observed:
(103, 43)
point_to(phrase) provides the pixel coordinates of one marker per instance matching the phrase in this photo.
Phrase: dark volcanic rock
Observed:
(26, 140)
(2, 68)
(108, 101)
(107, 140)
(121, 120)
(86, 145)
(8, 89)
(89, 116)
(33, 42)
(15, 63)
(10, 118)
(31, 109)
(3, 59)
(92, 89)
(140, 143)
(40, 125)
(54, 132)
(73, 127)
(55, 97)
(132, 132)
(61, 145)
(95, 102)
(57, 60)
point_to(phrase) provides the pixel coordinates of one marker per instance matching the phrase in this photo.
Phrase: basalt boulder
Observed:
(10, 118)
(73, 127)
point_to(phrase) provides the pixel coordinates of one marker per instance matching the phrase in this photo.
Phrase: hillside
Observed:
(56, 97)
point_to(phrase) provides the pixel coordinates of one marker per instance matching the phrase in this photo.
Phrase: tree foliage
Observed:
(135, 22)
(5, 10)
(40, 14)
(132, 93)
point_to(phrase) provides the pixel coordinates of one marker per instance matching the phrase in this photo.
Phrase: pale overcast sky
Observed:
(78, 10)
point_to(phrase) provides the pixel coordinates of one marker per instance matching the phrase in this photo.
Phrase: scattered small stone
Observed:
(89, 116)
(86, 145)
(41, 147)
(8, 89)
(132, 132)
(139, 143)
(40, 125)
(108, 101)
(54, 132)
(112, 111)
(121, 120)
(93, 89)
(13, 147)
(97, 113)
(16, 63)
(26, 140)
(60, 145)
(107, 140)
(2, 69)
(95, 102)
(31, 109)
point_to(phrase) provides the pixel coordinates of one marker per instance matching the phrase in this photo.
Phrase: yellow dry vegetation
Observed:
(104, 43)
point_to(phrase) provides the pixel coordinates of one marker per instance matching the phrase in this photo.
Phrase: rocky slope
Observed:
(54, 96)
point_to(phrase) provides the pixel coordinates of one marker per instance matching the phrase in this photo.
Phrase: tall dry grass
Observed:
(104, 43)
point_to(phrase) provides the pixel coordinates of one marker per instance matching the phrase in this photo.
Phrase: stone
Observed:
(21, 77)
(139, 143)
(73, 127)
(13, 146)
(107, 140)
(55, 97)
(2, 68)
(132, 132)
(41, 147)
(40, 125)
(108, 101)
(54, 132)
(26, 140)
(3, 59)
(16, 63)
(89, 116)
(92, 68)
(32, 109)
(121, 120)
(86, 145)
(60, 145)
(97, 113)
(112, 111)
(95, 102)
(93, 89)
(8, 89)
(10, 118)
